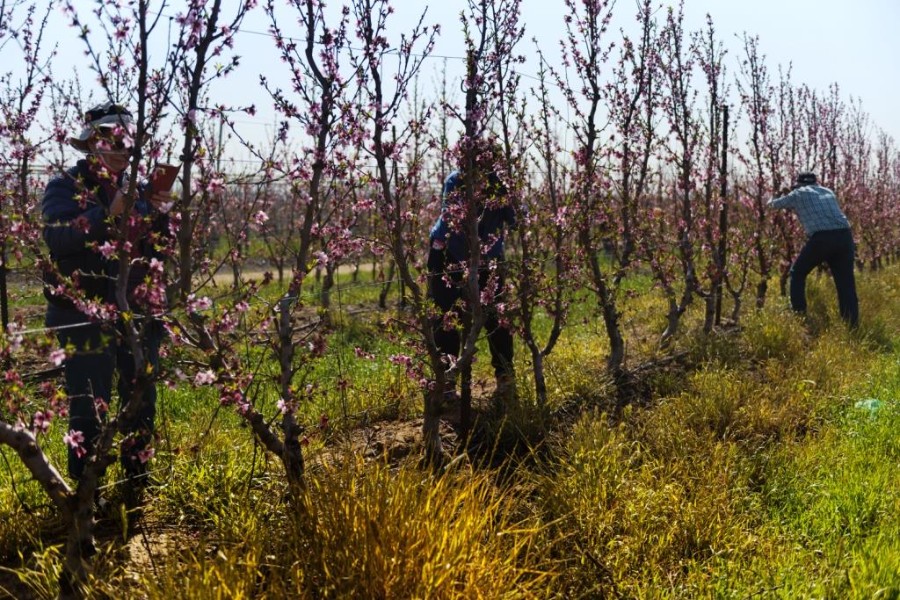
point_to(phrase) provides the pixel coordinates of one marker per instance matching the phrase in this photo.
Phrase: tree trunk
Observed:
(431, 431)
(736, 311)
(79, 544)
(465, 401)
(235, 275)
(386, 286)
(783, 282)
(673, 318)
(761, 289)
(607, 305)
(327, 286)
(537, 366)
(710, 310)
(292, 455)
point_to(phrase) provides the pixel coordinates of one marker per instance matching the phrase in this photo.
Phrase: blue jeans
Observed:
(835, 248)
(99, 352)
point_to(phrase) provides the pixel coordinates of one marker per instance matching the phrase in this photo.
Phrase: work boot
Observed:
(103, 508)
(133, 487)
(505, 395)
(450, 400)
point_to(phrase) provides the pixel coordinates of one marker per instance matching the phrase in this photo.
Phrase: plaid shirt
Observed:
(815, 206)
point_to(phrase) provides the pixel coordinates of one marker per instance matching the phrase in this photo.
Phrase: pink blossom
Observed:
(284, 407)
(42, 421)
(243, 406)
(96, 310)
(156, 266)
(14, 338)
(57, 356)
(401, 359)
(195, 305)
(226, 324)
(74, 439)
(107, 249)
(82, 224)
(215, 185)
(145, 455)
(260, 218)
(207, 377)
(360, 353)
(317, 346)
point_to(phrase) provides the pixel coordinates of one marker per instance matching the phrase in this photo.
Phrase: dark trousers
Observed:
(446, 289)
(96, 354)
(836, 249)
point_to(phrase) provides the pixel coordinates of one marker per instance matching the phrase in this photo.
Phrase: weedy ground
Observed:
(764, 463)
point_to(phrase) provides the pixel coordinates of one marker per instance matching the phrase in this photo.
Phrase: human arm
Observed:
(159, 201)
(71, 221)
(152, 223)
(786, 199)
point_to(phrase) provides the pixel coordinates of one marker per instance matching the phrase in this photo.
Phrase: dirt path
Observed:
(225, 276)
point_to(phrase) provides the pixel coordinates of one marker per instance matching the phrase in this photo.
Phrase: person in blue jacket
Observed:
(81, 210)
(829, 241)
(449, 249)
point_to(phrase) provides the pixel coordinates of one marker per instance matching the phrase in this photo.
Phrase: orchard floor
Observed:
(759, 462)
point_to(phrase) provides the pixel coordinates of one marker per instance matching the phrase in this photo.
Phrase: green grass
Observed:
(756, 472)
(837, 498)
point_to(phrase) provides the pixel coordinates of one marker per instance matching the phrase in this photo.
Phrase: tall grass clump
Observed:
(635, 518)
(366, 531)
(880, 318)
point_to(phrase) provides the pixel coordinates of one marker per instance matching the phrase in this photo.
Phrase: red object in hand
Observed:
(163, 178)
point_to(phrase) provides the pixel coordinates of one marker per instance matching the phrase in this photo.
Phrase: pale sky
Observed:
(851, 42)
(855, 43)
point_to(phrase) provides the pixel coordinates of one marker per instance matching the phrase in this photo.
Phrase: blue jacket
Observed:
(75, 211)
(490, 221)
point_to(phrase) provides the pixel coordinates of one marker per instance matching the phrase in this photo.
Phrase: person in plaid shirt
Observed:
(829, 240)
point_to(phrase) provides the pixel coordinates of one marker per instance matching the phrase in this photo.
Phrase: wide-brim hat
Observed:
(108, 115)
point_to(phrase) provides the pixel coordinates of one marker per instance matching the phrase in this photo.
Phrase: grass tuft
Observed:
(394, 534)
